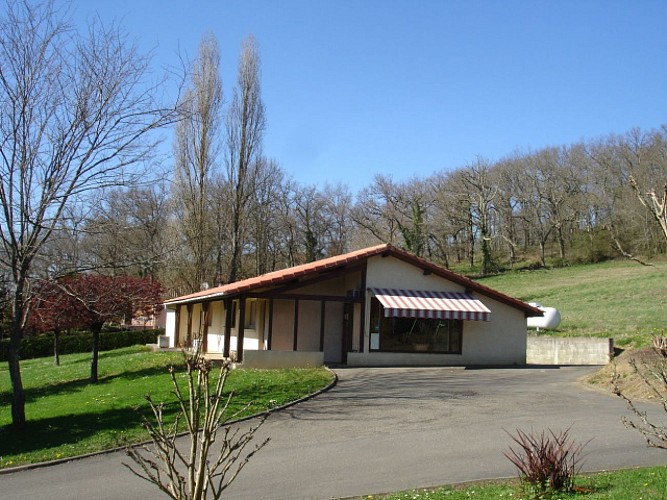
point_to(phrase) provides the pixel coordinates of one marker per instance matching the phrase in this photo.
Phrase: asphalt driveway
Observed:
(387, 429)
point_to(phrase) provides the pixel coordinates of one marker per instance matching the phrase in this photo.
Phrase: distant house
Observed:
(372, 307)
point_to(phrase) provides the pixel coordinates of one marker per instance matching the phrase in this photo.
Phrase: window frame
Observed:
(250, 320)
(379, 324)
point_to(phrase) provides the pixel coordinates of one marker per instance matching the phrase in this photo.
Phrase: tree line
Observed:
(225, 211)
(582, 203)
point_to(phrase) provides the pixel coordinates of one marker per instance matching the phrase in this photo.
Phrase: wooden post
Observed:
(270, 336)
(323, 307)
(177, 330)
(204, 340)
(362, 312)
(188, 337)
(240, 330)
(296, 325)
(228, 327)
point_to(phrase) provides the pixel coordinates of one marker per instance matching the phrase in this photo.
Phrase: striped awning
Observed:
(432, 305)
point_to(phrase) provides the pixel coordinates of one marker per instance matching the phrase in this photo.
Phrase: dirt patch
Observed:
(629, 381)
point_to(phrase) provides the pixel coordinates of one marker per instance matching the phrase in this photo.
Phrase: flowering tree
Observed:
(90, 301)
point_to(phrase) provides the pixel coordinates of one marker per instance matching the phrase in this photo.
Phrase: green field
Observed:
(619, 299)
(68, 416)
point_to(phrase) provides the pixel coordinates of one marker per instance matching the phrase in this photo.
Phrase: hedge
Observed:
(40, 346)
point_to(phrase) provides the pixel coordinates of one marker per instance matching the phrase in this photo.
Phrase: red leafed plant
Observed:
(90, 301)
(547, 461)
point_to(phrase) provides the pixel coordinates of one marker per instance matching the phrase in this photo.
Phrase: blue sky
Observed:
(354, 88)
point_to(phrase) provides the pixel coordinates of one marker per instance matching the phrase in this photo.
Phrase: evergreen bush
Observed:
(39, 346)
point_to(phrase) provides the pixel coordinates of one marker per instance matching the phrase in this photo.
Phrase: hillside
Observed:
(619, 299)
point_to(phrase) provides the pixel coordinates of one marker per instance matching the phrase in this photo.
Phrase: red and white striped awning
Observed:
(431, 305)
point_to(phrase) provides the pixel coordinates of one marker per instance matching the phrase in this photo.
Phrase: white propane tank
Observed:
(550, 320)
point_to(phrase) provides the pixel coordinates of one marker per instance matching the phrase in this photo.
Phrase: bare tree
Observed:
(450, 222)
(265, 221)
(124, 233)
(75, 116)
(480, 194)
(338, 207)
(652, 166)
(245, 127)
(198, 472)
(196, 152)
(510, 177)
(376, 210)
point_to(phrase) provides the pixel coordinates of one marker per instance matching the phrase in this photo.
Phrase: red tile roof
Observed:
(286, 275)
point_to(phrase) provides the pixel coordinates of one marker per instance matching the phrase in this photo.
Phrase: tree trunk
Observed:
(543, 260)
(487, 264)
(14, 355)
(561, 244)
(56, 347)
(18, 394)
(96, 329)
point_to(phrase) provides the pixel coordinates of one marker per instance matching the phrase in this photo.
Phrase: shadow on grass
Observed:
(54, 432)
(81, 359)
(70, 386)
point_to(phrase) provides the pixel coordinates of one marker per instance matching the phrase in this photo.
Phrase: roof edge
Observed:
(385, 249)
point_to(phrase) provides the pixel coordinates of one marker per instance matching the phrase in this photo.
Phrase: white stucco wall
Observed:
(501, 341)
(253, 338)
(170, 325)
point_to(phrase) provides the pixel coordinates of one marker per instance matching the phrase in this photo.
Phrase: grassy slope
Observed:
(68, 416)
(621, 299)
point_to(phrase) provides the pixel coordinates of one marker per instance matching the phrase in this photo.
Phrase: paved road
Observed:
(387, 429)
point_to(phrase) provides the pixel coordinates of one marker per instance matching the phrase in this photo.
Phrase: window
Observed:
(414, 334)
(250, 316)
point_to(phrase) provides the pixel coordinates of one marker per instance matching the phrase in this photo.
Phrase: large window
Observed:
(414, 334)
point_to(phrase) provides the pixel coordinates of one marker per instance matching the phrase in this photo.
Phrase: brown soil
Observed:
(630, 382)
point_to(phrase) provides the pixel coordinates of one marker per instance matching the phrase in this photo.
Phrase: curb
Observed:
(39, 465)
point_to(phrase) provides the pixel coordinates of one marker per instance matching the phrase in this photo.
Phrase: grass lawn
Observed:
(620, 299)
(635, 484)
(67, 416)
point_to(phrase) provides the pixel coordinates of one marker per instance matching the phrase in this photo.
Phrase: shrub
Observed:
(547, 462)
(39, 346)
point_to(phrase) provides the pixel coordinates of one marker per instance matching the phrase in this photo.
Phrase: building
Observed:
(371, 307)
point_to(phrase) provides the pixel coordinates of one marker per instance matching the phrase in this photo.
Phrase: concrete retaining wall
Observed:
(547, 350)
